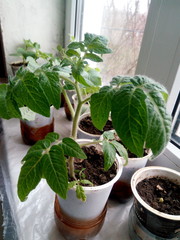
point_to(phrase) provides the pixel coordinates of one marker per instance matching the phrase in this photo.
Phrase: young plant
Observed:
(137, 106)
(30, 49)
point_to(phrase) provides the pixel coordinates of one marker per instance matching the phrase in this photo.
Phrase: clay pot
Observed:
(80, 220)
(146, 222)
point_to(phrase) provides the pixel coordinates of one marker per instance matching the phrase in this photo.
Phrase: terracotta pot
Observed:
(81, 220)
(146, 222)
(33, 131)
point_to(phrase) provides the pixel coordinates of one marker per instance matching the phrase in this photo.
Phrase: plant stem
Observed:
(71, 109)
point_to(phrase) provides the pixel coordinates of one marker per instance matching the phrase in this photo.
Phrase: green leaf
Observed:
(31, 174)
(100, 106)
(109, 154)
(28, 91)
(55, 171)
(96, 43)
(121, 150)
(109, 135)
(76, 45)
(159, 125)
(129, 117)
(52, 136)
(86, 182)
(50, 84)
(72, 149)
(80, 193)
(72, 184)
(93, 57)
(8, 106)
(72, 52)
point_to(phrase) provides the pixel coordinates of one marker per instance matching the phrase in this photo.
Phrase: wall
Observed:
(41, 21)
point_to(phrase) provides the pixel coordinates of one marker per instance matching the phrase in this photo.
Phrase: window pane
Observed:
(123, 23)
(175, 138)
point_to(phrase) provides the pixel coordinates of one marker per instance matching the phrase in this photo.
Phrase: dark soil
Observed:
(161, 194)
(19, 64)
(94, 171)
(87, 126)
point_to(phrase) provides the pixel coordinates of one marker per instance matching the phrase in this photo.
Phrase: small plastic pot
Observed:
(146, 222)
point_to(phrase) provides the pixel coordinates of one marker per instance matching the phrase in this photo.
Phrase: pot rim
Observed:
(143, 203)
(118, 174)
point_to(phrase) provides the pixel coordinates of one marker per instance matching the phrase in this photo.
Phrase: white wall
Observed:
(41, 21)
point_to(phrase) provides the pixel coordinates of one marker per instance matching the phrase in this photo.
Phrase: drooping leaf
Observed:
(93, 57)
(129, 116)
(109, 154)
(100, 106)
(55, 171)
(159, 125)
(80, 193)
(72, 52)
(31, 174)
(121, 150)
(50, 84)
(8, 106)
(72, 148)
(28, 91)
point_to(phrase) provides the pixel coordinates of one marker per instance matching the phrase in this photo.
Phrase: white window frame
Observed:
(159, 56)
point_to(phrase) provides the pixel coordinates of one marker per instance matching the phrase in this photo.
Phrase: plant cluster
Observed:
(137, 106)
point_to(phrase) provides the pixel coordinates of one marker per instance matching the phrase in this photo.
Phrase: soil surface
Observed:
(93, 166)
(161, 194)
(87, 126)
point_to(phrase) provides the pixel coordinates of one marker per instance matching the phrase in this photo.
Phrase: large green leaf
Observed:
(159, 129)
(8, 106)
(31, 174)
(100, 106)
(109, 154)
(129, 116)
(55, 171)
(72, 149)
(50, 84)
(28, 91)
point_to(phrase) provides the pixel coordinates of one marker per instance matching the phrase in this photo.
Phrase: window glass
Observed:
(123, 23)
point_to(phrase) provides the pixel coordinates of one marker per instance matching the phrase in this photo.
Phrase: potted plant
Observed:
(155, 213)
(134, 103)
(28, 49)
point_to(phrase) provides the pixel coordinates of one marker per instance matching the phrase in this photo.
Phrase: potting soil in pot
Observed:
(161, 194)
(93, 167)
(87, 126)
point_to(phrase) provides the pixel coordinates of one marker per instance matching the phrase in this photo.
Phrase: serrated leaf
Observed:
(121, 150)
(52, 136)
(30, 175)
(72, 148)
(72, 52)
(159, 124)
(50, 83)
(8, 106)
(129, 117)
(76, 45)
(100, 106)
(109, 154)
(28, 91)
(55, 171)
(93, 57)
(80, 193)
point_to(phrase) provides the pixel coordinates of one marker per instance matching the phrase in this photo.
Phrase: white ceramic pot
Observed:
(96, 197)
(146, 222)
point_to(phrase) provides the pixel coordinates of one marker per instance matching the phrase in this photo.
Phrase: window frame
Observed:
(153, 53)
